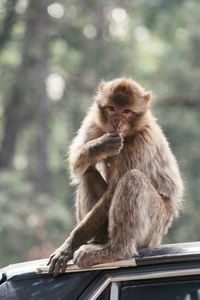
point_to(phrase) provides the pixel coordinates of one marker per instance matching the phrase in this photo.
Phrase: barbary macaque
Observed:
(129, 187)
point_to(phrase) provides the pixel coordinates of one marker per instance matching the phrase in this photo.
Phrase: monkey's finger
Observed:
(57, 267)
(115, 147)
(52, 265)
(60, 265)
(64, 264)
(114, 134)
(115, 141)
(50, 258)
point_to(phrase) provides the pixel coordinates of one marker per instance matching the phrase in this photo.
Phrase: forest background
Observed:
(52, 56)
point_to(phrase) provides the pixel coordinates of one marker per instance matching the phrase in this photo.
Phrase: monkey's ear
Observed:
(101, 86)
(147, 97)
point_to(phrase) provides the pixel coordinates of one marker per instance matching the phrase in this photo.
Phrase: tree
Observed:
(27, 100)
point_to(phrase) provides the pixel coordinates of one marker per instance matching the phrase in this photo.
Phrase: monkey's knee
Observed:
(131, 187)
(134, 177)
(131, 184)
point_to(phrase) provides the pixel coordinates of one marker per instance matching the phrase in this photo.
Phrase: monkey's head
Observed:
(121, 104)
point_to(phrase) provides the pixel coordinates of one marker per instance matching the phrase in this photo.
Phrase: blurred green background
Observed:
(52, 56)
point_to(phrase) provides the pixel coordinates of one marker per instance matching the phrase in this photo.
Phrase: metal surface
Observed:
(143, 276)
(20, 281)
(22, 268)
(1, 277)
(169, 252)
(100, 289)
(40, 287)
(161, 254)
(114, 291)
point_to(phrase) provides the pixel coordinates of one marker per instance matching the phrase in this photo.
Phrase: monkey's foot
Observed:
(91, 254)
(59, 259)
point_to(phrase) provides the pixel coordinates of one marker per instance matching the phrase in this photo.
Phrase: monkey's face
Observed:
(118, 119)
(121, 104)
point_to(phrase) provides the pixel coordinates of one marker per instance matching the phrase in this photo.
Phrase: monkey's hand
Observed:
(59, 259)
(88, 255)
(108, 145)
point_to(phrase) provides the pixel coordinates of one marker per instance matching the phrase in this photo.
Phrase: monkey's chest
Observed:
(111, 170)
(115, 167)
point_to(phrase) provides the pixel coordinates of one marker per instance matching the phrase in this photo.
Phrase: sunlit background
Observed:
(52, 56)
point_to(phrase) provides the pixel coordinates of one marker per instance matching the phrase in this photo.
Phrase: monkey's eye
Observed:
(110, 108)
(127, 111)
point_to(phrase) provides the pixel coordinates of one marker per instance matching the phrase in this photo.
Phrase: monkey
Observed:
(129, 187)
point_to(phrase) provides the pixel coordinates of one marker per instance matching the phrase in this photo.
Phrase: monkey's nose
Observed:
(115, 125)
(117, 128)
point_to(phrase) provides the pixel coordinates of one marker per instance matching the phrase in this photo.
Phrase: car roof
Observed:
(166, 253)
(169, 253)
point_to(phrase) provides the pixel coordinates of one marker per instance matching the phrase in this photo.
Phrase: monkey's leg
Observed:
(138, 218)
(93, 226)
(90, 189)
(144, 218)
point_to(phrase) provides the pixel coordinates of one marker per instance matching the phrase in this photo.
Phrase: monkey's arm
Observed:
(81, 234)
(171, 190)
(167, 179)
(88, 153)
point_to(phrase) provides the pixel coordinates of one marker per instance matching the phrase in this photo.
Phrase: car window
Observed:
(179, 290)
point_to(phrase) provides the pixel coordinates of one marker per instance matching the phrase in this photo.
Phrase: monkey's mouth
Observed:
(117, 131)
(123, 133)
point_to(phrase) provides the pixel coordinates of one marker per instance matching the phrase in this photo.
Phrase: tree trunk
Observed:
(9, 21)
(27, 100)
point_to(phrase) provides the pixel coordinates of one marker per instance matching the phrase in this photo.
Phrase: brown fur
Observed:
(129, 189)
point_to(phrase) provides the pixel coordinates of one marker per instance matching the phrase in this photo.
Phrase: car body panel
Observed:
(21, 281)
